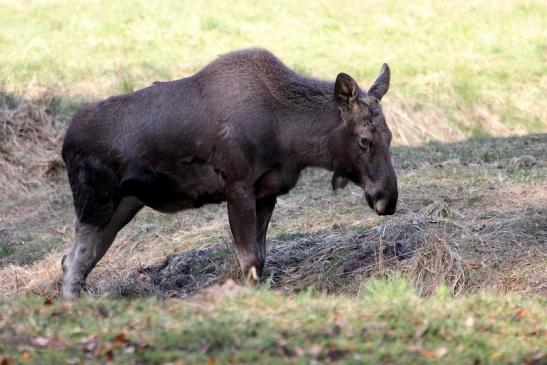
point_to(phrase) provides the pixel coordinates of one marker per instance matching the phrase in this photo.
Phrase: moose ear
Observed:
(381, 84)
(345, 90)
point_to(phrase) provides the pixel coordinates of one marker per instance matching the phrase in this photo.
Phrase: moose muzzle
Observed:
(382, 201)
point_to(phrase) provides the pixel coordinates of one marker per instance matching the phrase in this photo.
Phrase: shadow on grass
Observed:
(473, 150)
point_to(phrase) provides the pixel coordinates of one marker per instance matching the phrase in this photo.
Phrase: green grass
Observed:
(457, 57)
(474, 150)
(387, 324)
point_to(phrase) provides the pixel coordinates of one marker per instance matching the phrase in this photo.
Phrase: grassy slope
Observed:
(386, 324)
(479, 67)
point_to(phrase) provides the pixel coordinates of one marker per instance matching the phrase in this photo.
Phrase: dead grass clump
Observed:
(440, 209)
(43, 278)
(333, 261)
(29, 144)
(436, 263)
(340, 260)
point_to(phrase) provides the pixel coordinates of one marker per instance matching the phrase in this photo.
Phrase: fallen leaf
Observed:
(90, 343)
(469, 322)
(435, 354)
(25, 356)
(521, 312)
(40, 341)
(299, 351)
(121, 337)
(315, 351)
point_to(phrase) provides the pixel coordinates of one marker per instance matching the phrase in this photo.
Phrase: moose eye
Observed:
(364, 143)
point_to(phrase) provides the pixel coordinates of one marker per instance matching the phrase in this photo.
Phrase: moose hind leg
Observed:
(91, 244)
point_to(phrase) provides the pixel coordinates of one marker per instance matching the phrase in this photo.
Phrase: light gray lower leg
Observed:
(264, 210)
(91, 245)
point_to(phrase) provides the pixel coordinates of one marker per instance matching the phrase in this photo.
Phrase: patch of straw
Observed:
(437, 263)
(29, 145)
(440, 209)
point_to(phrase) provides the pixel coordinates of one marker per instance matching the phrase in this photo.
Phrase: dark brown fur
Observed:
(241, 130)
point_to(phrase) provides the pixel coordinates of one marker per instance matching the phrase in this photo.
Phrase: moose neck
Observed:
(308, 117)
(308, 137)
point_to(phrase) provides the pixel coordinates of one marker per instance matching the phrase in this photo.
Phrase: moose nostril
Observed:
(383, 202)
(386, 206)
(381, 206)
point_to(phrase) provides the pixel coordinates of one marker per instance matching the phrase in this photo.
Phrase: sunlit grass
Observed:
(459, 57)
(388, 323)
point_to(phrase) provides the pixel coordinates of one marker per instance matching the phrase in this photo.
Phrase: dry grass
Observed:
(29, 145)
(441, 208)
(438, 263)
(414, 122)
(526, 274)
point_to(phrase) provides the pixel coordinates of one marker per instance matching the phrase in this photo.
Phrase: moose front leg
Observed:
(264, 210)
(242, 217)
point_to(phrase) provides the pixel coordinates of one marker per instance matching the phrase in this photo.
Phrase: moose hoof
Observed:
(70, 295)
(252, 276)
(71, 288)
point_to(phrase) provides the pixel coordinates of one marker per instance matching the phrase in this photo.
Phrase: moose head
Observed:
(363, 140)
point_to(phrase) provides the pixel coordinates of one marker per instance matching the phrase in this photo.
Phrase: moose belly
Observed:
(168, 191)
(273, 183)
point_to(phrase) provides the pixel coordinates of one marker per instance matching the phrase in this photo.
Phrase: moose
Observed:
(240, 130)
